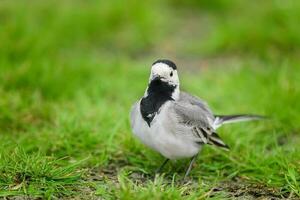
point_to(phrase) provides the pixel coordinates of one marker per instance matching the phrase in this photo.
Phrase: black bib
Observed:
(159, 92)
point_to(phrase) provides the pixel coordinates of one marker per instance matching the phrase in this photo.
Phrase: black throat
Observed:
(159, 92)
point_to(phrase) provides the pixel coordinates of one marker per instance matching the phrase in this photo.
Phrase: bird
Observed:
(173, 122)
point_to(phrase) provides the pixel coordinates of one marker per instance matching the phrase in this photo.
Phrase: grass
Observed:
(69, 73)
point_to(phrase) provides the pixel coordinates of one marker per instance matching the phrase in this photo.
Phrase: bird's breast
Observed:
(162, 136)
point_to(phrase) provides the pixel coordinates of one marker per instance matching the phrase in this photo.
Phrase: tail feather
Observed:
(226, 119)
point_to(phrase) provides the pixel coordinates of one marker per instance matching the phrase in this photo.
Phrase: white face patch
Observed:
(165, 72)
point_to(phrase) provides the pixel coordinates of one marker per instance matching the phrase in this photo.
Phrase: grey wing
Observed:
(189, 99)
(197, 118)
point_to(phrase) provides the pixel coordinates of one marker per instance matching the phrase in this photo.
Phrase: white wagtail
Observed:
(175, 123)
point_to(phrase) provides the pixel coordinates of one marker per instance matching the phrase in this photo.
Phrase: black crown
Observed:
(167, 62)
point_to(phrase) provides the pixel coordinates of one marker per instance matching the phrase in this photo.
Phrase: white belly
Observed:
(159, 137)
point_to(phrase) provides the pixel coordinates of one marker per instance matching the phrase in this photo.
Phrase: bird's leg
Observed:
(190, 166)
(162, 166)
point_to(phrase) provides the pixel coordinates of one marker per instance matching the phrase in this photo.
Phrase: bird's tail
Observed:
(226, 119)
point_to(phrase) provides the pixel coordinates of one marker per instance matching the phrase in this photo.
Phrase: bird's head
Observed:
(165, 71)
(163, 80)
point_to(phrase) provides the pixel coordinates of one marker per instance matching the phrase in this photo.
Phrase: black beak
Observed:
(156, 78)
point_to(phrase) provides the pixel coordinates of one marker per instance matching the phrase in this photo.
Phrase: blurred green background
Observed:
(70, 70)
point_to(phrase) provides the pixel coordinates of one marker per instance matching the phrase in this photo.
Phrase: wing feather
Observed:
(195, 115)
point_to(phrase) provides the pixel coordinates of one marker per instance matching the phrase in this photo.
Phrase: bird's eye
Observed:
(171, 74)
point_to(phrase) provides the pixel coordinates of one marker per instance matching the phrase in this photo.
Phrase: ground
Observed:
(70, 71)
